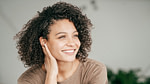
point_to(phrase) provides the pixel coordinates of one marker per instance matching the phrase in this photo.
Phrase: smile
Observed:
(69, 51)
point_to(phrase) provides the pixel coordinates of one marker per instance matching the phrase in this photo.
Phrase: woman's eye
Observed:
(61, 37)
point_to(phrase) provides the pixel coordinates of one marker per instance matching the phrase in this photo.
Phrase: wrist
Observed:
(51, 78)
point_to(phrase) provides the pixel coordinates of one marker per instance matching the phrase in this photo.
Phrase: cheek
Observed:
(55, 46)
(78, 43)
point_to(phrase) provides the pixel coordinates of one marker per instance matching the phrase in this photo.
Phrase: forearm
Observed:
(51, 75)
(51, 79)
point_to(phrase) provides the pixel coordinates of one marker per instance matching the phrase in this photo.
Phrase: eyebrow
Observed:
(65, 32)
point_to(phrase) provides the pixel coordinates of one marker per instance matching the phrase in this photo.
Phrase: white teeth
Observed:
(69, 51)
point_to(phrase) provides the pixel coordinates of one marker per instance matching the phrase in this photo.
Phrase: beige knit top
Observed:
(89, 72)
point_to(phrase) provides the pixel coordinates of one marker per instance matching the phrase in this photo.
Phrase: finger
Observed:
(47, 50)
(47, 60)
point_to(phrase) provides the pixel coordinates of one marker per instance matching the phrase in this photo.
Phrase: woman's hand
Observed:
(50, 61)
(50, 66)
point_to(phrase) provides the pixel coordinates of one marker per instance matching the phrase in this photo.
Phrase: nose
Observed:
(70, 42)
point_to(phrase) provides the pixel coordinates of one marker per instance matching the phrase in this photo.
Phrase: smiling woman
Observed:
(55, 45)
(63, 40)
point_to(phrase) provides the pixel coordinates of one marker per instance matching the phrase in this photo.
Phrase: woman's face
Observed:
(63, 41)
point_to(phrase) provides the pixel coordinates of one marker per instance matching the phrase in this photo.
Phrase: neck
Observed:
(64, 66)
(66, 69)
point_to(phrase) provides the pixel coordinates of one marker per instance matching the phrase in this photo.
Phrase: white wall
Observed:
(121, 38)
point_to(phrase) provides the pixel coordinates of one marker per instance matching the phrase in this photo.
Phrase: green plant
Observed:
(126, 77)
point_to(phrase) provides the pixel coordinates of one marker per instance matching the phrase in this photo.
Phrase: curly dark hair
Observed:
(28, 44)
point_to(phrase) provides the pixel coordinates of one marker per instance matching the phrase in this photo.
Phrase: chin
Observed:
(68, 59)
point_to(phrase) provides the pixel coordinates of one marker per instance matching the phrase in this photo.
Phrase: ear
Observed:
(42, 41)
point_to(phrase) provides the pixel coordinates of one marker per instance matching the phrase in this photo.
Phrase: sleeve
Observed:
(99, 75)
(23, 82)
(32, 76)
(25, 78)
(29, 80)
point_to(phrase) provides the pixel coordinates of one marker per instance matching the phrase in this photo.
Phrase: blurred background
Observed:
(121, 36)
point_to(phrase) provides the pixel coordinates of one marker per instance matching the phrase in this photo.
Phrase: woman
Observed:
(55, 45)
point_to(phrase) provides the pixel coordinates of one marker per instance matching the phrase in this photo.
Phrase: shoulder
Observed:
(31, 75)
(94, 72)
(91, 63)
